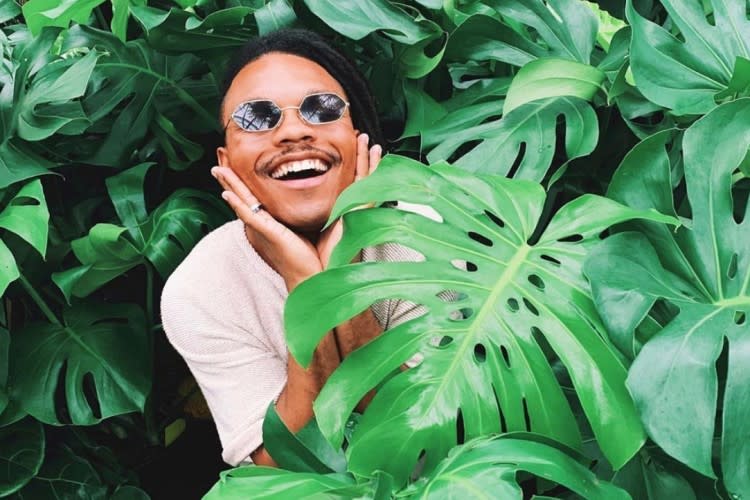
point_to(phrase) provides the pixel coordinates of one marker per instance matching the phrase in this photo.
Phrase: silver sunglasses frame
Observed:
(234, 117)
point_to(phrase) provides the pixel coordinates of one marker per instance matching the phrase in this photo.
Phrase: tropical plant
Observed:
(585, 280)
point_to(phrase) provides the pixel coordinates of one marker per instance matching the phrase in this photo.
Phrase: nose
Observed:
(293, 128)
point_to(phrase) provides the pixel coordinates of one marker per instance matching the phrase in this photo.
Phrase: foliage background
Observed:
(107, 132)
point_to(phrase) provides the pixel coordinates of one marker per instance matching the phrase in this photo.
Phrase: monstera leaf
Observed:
(21, 454)
(162, 238)
(686, 76)
(522, 143)
(498, 305)
(98, 360)
(487, 467)
(704, 272)
(138, 91)
(27, 216)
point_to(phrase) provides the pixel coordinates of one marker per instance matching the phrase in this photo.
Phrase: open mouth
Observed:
(303, 169)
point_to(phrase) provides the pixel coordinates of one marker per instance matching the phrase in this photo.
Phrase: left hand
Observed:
(367, 161)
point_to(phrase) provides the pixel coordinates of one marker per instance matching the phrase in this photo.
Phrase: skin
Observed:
(286, 232)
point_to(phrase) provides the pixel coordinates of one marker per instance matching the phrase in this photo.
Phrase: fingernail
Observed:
(214, 171)
(225, 195)
(365, 138)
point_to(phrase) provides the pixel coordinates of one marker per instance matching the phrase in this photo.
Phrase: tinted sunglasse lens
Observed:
(257, 115)
(322, 108)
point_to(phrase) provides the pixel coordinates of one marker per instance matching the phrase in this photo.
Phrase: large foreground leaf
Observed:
(99, 360)
(488, 467)
(686, 76)
(703, 270)
(510, 304)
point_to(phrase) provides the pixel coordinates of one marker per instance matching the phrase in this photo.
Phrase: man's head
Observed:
(285, 67)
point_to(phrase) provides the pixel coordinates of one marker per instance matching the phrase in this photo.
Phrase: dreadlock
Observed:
(310, 45)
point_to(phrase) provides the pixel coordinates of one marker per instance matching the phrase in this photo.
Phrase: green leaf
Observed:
(41, 13)
(127, 492)
(64, 475)
(99, 360)
(553, 78)
(9, 9)
(274, 15)
(267, 483)
(487, 467)
(356, 19)
(514, 298)
(134, 86)
(608, 25)
(105, 253)
(27, 216)
(21, 454)
(686, 76)
(525, 137)
(163, 237)
(308, 451)
(4, 346)
(739, 85)
(703, 270)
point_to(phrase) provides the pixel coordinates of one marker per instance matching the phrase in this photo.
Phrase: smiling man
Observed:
(299, 124)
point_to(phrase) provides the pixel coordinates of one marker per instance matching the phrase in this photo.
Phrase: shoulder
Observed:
(221, 285)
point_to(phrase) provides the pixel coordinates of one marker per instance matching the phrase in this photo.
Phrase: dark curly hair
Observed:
(310, 45)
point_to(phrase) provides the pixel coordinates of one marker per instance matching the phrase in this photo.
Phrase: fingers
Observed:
(362, 167)
(241, 199)
(376, 152)
(367, 157)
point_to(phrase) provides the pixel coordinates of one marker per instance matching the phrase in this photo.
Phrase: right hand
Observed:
(293, 257)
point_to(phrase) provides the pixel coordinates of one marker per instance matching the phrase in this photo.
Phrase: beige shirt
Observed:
(222, 310)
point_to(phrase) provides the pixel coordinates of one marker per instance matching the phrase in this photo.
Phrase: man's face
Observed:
(259, 157)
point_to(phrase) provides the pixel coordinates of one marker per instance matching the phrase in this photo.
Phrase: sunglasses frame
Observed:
(281, 110)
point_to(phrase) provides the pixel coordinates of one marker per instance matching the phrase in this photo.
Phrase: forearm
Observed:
(295, 403)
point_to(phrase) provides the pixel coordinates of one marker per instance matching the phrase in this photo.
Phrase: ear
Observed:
(222, 156)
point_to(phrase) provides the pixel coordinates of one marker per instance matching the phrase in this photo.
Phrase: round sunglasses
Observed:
(260, 115)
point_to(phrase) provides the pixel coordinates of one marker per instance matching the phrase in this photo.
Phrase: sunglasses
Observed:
(261, 115)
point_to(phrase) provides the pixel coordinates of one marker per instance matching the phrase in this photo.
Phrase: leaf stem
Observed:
(149, 296)
(39, 301)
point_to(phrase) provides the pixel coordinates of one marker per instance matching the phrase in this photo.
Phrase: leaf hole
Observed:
(89, 392)
(61, 402)
(513, 305)
(739, 317)
(480, 353)
(173, 239)
(450, 296)
(542, 342)
(506, 356)
(443, 341)
(471, 267)
(537, 281)
(494, 218)
(481, 239)
(573, 238)
(503, 423)
(551, 259)
(460, 431)
(517, 162)
(532, 309)
(25, 201)
(741, 196)
(526, 416)
(732, 269)
(464, 265)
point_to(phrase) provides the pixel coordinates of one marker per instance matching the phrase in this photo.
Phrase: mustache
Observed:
(331, 157)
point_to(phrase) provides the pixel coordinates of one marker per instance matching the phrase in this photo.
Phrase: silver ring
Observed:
(255, 207)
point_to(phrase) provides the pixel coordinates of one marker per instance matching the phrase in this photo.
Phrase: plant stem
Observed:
(149, 296)
(39, 301)
(100, 19)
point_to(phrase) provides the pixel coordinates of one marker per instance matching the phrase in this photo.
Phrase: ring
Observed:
(255, 207)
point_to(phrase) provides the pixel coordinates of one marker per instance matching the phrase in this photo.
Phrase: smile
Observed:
(300, 169)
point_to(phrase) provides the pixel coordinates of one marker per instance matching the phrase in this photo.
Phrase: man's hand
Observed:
(292, 256)
(367, 161)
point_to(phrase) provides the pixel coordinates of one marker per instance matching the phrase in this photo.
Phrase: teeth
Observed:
(299, 166)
